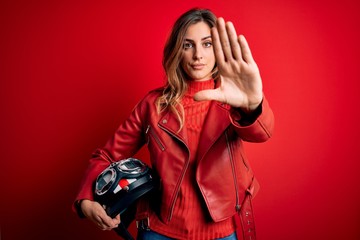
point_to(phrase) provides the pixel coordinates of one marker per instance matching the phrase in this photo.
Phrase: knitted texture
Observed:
(190, 219)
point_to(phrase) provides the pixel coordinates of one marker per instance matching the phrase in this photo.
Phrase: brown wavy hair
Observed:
(176, 85)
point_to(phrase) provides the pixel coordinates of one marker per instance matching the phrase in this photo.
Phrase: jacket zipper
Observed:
(237, 206)
(181, 177)
(156, 138)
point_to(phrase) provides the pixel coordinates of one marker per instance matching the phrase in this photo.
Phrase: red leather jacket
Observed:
(223, 172)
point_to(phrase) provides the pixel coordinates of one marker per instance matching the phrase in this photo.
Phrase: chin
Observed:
(200, 77)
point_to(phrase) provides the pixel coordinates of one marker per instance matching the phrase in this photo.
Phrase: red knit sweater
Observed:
(190, 219)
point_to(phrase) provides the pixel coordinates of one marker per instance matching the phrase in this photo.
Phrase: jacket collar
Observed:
(216, 121)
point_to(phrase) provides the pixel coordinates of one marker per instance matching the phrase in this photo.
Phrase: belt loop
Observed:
(142, 214)
(143, 224)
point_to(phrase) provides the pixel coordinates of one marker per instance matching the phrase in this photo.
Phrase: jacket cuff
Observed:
(245, 119)
(77, 208)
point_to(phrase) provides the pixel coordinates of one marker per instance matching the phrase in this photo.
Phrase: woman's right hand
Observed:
(96, 213)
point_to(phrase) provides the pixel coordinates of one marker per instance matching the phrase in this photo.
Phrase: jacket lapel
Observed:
(170, 123)
(217, 120)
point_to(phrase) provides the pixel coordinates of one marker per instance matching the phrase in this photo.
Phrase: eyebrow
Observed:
(204, 38)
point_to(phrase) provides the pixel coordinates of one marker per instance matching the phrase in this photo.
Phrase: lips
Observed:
(198, 66)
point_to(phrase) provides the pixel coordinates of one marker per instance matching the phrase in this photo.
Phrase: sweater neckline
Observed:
(196, 86)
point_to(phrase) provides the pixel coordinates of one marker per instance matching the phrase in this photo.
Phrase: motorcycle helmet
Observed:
(122, 183)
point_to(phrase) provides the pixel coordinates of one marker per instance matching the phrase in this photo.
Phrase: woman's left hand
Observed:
(240, 81)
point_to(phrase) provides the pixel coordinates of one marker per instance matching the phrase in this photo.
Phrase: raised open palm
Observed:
(240, 82)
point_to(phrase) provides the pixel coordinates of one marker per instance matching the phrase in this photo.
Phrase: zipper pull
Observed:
(147, 129)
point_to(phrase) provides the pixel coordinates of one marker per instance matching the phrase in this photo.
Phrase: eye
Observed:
(207, 44)
(187, 45)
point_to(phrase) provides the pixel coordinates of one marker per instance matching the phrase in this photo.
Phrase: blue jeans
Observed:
(151, 235)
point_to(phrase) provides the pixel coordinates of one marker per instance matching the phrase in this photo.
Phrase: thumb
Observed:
(210, 94)
(117, 219)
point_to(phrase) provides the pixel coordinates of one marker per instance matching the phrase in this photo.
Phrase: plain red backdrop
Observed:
(71, 71)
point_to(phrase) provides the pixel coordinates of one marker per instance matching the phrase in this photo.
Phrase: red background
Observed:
(71, 71)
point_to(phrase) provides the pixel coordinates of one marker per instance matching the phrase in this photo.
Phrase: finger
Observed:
(117, 220)
(224, 39)
(245, 49)
(218, 52)
(100, 223)
(233, 38)
(211, 94)
(108, 222)
(102, 226)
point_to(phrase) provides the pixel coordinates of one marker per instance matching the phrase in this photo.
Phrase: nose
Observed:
(198, 54)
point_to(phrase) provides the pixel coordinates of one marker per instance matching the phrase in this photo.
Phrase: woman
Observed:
(194, 128)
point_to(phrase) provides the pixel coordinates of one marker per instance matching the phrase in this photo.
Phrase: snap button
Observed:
(164, 121)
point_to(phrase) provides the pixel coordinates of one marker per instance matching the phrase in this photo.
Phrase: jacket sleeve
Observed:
(258, 127)
(125, 142)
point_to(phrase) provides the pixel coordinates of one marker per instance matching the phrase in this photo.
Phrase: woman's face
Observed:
(198, 59)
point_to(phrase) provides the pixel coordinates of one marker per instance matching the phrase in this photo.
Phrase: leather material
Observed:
(223, 172)
(244, 219)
